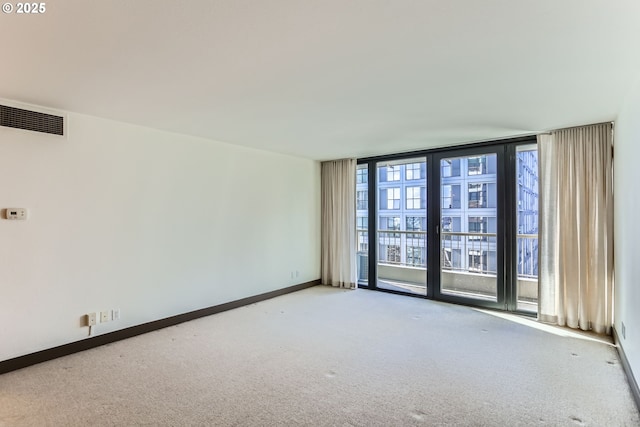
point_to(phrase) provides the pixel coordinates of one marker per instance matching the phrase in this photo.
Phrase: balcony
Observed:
(468, 264)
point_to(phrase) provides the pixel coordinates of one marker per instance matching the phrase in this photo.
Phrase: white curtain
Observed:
(338, 263)
(576, 228)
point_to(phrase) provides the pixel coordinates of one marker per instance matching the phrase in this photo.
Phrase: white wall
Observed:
(627, 228)
(150, 222)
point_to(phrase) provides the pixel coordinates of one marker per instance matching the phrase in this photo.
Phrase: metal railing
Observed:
(460, 252)
(403, 248)
(527, 255)
(468, 252)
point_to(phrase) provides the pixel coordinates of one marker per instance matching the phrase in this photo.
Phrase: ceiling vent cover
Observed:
(31, 120)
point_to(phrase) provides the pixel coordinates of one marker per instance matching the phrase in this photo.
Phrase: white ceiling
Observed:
(328, 78)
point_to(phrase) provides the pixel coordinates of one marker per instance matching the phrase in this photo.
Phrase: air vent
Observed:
(31, 120)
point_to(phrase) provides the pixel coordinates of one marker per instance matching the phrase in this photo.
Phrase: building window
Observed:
(415, 255)
(390, 198)
(363, 235)
(478, 261)
(415, 199)
(451, 224)
(477, 195)
(393, 173)
(450, 168)
(362, 176)
(415, 223)
(388, 226)
(393, 254)
(391, 223)
(451, 197)
(485, 226)
(452, 259)
(390, 173)
(478, 224)
(362, 222)
(477, 165)
(362, 200)
(412, 171)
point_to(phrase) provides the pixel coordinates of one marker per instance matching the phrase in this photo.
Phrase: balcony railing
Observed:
(468, 252)
(527, 256)
(460, 252)
(403, 248)
(468, 264)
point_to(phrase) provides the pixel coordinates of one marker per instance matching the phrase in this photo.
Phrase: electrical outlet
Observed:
(91, 319)
(115, 314)
(105, 316)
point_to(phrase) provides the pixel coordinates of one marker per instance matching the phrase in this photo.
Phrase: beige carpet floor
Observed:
(328, 357)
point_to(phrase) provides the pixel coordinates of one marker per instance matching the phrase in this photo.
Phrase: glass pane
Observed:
(527, 223)
(468, 229)
(401, 220)
(362, 223)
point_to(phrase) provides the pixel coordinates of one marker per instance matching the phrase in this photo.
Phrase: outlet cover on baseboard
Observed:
(91, 319)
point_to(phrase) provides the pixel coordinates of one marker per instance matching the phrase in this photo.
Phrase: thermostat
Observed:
(16, 213)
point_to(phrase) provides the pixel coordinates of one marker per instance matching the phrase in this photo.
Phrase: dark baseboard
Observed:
(86, 344)
(635, 391)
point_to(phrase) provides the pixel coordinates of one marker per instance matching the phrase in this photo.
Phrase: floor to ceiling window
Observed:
(455, 224)
(401, 235)
(468, 226)
(526, 205)
(362, 223)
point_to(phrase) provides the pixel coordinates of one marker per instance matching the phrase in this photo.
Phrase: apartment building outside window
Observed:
(390, 198)
(415, 223)
(477, 165)
(393, 254)
(451, 224)
(413, 171)
(478, 224)
(390, 174)
(362, 199)
(477, 195)
(450, 168)
(415, 256)
(390, 223)
(452, 258)
(478, 261)
(451, 196)
(362, 222)
(415, 199)
(362, 176)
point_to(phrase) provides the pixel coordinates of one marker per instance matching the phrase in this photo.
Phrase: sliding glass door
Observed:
(469, 239)
(401, 218)
(457, 225)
